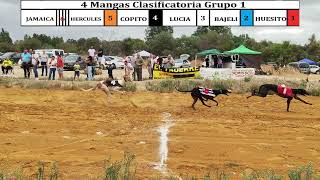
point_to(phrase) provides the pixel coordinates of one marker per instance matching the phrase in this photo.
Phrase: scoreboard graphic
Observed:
(160, 13)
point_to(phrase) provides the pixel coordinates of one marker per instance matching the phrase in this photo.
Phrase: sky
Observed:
(309, 24)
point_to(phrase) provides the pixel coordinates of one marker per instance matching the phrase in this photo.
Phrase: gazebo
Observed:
(250, 57)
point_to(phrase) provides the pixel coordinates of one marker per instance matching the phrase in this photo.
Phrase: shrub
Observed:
(129, 87)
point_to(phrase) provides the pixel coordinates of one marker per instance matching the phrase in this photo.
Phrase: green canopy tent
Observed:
(250, 57)
(209, 52)
(243, 50)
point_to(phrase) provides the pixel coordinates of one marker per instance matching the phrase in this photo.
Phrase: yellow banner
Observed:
(164, 73)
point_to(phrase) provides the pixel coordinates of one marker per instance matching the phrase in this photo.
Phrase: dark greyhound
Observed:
(204, 94)
(265, 88)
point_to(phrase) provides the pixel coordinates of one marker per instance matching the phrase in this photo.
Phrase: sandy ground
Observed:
(80, 130)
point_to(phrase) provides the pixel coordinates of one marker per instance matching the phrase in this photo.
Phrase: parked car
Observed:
(181, 63)
(302, 67)
(14, 56)
(314, 69)
(50, 52)
(70, 61)
(118, 62)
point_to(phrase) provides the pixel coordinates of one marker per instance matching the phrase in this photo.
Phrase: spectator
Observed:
(60, 65)
(35, 64)
(168, 62)
(91, 52)
(133, 63)
(207, 62)
(26, 59)
(7, 65)
(89, 62)
(153, 60)
(100, 55)
(44, 63)
(139, 64)
(127, 71)
(76, 68)
(110, 68)
(219, 63)
(53, 67)
(160, 61)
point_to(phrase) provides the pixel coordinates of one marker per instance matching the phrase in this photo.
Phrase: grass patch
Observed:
(129, 87)
(124, 169)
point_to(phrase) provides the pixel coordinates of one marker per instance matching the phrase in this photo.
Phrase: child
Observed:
(76, 68)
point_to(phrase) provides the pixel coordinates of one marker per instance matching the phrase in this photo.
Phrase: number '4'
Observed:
(84, 4)
(155, 18)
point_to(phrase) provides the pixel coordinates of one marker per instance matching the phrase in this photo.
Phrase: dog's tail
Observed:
(181, 91)
(86, 90)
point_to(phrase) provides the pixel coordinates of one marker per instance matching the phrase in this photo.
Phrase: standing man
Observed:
(35, 63)
(44, 63)
(168, 62)
(100, 55)
(89, 62)
(139, 64)
(134, 65)
(26, 59)
(91, 52)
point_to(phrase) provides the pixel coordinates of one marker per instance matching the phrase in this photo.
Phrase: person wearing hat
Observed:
(168, 62)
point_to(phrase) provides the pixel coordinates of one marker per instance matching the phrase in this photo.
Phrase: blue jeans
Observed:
(90, 77)
(35, 71)
(53, 73)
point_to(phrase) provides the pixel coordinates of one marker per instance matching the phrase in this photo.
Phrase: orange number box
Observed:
(110, 17)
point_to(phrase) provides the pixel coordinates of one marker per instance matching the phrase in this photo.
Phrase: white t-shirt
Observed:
(35, 57)
(43, 58)
(91, 52)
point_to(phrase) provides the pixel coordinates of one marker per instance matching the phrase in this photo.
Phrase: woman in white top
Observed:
(53, 67)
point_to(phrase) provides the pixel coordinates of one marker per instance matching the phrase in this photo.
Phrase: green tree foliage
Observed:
(152, 31)
(160, 41)
(5, 37)
(161, 44)
(218, 29)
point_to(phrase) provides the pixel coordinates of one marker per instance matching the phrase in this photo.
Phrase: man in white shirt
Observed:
(44, 60)
(35, 63)
(91, 52)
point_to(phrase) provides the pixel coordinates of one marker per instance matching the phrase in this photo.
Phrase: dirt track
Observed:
(62, 126)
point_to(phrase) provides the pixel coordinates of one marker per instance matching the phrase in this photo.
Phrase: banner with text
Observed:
(164, 73)
(238, 73)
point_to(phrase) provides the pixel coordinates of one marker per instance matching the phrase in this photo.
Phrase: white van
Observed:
(50, 52)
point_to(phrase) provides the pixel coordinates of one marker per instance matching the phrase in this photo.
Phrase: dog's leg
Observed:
(217, 104)
(203, 102)
(296, 97)
(288, 103)
(195, 99)
(253, 93)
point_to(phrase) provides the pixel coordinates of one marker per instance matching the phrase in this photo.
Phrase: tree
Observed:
(152, 31)
(205, 29)
(5, 37)
(313, 48)
(161, 44)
